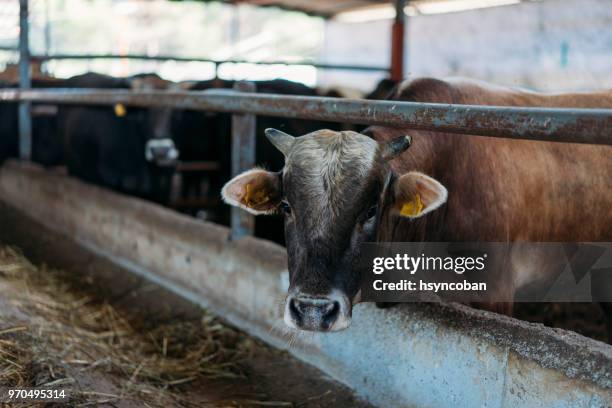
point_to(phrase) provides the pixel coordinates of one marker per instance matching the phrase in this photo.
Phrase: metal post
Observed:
(397, 42)
(47, 29)
(243, 158)
(25, 82)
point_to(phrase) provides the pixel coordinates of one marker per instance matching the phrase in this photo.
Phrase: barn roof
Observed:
(324, 8)
(329, 8)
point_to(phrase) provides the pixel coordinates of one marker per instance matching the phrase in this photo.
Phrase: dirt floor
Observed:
(71, 319)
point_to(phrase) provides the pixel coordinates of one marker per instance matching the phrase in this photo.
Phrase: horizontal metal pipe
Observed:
(217, 62)
(592, 126)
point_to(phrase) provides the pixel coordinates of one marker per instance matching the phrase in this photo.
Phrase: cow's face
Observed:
(334, 188)
(160, 148)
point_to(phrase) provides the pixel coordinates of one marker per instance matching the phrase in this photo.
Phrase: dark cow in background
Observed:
(46, 142)
(203, 137)
(9, 129)
(339, 189)
(128, 149)
(134, 150)
(383, 90)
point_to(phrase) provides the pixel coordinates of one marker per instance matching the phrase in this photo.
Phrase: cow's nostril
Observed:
(294, 307)
(332, 308)
(312, 313)
(330, 314)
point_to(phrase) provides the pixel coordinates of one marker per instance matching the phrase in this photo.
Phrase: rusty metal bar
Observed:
(592, 126)
(25, 82)
(243, 158)
(397, 42)
(47, 30)
(346, 67)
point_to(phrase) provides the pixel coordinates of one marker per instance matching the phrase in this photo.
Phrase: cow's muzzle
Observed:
(317, 313)
(161, 152)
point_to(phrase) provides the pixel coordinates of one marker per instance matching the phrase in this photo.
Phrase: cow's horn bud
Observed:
(396, 146)
(281, 140)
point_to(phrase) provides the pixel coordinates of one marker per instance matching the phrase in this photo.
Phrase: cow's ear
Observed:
(417, 194)
(257, 191)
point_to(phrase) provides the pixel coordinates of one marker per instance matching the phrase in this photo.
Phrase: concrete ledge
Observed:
(422, 355)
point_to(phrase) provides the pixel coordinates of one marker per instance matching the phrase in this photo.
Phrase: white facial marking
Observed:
(342, 321)
(327, 164)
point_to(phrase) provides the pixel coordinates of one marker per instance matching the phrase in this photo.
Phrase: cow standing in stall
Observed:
(128, 149)
(46, 142)
(340, 189)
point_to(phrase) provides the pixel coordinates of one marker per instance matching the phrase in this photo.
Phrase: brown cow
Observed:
(339, 189)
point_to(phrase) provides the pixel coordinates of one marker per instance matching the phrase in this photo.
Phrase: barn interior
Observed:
(97, 189)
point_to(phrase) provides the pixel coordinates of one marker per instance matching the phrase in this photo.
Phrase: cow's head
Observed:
(160, 147)
(334, 189)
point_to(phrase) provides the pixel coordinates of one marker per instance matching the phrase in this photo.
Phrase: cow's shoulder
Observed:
(474, 92)
(463, 91)
(425, 90)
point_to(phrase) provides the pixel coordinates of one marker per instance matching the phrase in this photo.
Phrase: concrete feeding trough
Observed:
(413, 355)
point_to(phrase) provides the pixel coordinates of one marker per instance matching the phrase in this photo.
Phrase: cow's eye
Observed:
(372, 211)
(285, 207)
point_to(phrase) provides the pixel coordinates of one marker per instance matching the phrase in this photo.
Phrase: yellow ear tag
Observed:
(251, 198)
(412, 208)
(120, 110)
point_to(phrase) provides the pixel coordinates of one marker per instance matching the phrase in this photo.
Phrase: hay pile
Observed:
(54, 335)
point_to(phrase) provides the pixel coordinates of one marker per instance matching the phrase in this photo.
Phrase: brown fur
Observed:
(502, 189)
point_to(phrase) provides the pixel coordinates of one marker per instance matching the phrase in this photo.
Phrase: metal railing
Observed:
(592, 126)
(345, 67)
(217, 63)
